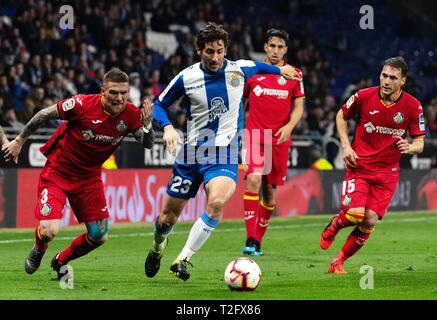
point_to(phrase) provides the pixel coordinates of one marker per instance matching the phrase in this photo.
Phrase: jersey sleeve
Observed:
(417, 124)
(251, 68)
(71, 108)
(173, 92)
(352, 105)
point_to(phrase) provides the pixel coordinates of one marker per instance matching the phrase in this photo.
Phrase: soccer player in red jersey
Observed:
(96, 125)
(385, 114)
(275, 107)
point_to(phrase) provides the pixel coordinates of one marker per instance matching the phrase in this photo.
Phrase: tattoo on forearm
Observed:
(3, 138)
(37, 120)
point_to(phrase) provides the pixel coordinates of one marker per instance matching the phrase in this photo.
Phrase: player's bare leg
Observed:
(44, 233)
(251, 207)
(218, 191)
(96, 235)
(354, 242)
(164, 223)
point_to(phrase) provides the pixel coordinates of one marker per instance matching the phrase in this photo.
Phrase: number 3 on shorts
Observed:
(180, 185)
(44, 195)
(348, 187)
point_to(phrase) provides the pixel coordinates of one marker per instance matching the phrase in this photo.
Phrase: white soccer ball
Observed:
(242, 274)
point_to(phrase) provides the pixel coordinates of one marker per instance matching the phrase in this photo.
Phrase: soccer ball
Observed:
(242, 274)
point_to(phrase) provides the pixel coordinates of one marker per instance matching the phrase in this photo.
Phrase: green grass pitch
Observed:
(402, 252)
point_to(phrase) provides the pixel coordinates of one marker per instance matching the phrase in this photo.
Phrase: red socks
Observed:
(264, 214)
(353, 243)
(250, 213)
(80, 246)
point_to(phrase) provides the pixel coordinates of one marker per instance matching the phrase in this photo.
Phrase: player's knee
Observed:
(354, 216)
(215, 206)
(253, 183)
(168, 217)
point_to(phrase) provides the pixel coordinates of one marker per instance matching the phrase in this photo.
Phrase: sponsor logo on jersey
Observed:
(235, 80)
(370, 128)
(200, 86)
(281, 94)
(282, 81)
(351, 100)
(89, 135)
(398, 117)
(121, 126)
(45, 210)
(68, 104)
(421, 122)
(218, 108)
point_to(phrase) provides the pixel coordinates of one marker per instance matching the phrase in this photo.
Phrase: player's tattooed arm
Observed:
(3, 139)
(13, 148)
(37, 120)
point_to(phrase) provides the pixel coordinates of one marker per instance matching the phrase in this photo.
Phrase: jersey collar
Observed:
(390, 104)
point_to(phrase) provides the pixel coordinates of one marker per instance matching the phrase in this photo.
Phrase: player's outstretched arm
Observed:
(13, 148)
(146, 134)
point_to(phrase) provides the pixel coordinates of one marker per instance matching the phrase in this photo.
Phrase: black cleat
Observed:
(61, 269)
(180, 269)
(253, 247)
(153, 262)
(33, 260)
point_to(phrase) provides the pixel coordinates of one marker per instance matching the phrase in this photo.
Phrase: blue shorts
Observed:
(186, 179)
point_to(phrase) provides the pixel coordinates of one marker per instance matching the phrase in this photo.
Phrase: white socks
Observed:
(200, 232)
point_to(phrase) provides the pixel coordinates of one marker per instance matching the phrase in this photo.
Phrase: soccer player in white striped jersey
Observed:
(213, 89)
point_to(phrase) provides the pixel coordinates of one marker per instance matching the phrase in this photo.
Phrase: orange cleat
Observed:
(328, 235)
(337, 267)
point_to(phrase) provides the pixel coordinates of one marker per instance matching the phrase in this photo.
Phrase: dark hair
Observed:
(398, 63)
(115, 75)
(282, 34)
(212, 32)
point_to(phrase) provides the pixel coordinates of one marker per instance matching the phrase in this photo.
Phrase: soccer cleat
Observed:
(250, 247)
(33, 260)
(61, 269)
(337, 267)
(180, 269)
(153, 261)
(328, 235)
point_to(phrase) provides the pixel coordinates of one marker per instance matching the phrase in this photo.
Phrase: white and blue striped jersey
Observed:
(214, 100)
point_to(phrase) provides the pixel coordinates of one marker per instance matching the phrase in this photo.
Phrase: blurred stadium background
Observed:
(152, 41)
